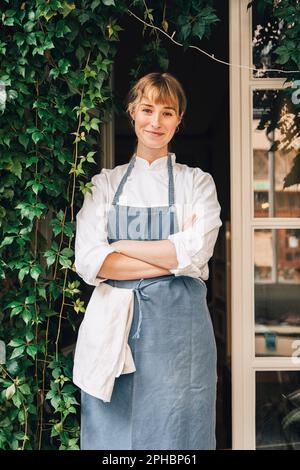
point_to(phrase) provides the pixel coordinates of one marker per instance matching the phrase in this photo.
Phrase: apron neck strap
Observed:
(129, 170)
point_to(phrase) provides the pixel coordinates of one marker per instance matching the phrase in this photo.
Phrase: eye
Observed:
(167, 113)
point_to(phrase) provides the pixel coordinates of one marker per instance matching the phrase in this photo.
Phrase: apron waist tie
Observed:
(140, 296)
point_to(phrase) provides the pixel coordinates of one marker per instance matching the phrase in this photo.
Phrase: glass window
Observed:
(266, 32)
(278, 410)
(276, 155)
(277, 291)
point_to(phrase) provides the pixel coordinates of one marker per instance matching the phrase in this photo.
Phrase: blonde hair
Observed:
(162, 87)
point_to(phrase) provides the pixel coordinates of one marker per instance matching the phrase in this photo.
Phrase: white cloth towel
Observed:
(102, 351)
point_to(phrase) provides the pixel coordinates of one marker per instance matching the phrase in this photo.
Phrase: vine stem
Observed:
(43, 384)
(211, 56)
(35, 283)
(26, 427)
(5, 371)
(60, 243)
(72, 218)
(76, 149)
(60, 314)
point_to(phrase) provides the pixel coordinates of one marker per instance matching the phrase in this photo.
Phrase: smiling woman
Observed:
(156, 105)
(131, 235)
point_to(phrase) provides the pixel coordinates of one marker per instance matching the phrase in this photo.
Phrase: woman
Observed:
(155, 236)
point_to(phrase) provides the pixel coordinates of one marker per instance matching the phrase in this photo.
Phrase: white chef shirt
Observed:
(147, 185)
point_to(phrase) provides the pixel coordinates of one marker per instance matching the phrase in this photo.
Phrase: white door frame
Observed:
(244, 363)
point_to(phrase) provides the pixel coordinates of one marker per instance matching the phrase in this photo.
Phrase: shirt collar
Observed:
(159, 163)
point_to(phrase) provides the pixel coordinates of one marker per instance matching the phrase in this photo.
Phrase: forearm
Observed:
(118, 266)
(160, 253)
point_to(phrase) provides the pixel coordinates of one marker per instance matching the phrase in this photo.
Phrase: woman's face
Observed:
(155, 124)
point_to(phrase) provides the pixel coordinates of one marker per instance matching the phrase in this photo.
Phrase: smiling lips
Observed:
(154, 133)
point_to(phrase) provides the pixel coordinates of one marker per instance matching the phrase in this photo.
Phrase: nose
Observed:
(155, 120)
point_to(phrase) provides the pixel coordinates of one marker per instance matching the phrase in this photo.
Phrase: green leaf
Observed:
(13, 367)
(30, 300)
(90, 155)
(20, 436)
(37, 136)
(186, 31)
(17, 352)
(95, 4)
(35, 272)
(16, 342)
(64, 66)
(42, 292)
(16, 310)
(8, 21)
(23, 272)
(68, 389)
(50, 257)
(15, 167)
(65, 262)
(36, 187)
(199, 29)
(25, 389)
(32, 350)
(7, 241)
(68, 252)
(56, 372)
(29, 336)
(27, 316)
(17, 400)
(23, 139)
(10, 391)
(12, 95)
(108, 3)
(62, 29)
(95, 125)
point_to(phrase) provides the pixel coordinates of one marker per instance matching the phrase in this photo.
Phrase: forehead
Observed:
(151, 100)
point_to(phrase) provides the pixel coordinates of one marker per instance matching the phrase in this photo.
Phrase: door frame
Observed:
(243, 361)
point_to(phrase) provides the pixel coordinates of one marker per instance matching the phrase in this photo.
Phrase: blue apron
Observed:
(169, 401)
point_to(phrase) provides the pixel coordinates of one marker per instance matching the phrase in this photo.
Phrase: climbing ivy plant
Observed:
(55, 64)
(56, 59)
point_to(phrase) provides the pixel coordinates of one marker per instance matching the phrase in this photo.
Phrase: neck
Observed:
(151, 154)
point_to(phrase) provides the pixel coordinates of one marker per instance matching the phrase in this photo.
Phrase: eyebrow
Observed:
(165, 107)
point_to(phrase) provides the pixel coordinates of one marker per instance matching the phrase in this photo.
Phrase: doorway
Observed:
(203, 141)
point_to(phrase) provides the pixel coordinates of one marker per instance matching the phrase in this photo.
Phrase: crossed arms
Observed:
(139, 259)
(135, 258)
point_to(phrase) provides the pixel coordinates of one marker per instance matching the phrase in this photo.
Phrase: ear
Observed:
(131, 112)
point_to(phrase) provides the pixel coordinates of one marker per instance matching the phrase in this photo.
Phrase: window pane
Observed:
(277, 291)
(278, 410)
(276, 155)
(266, 32)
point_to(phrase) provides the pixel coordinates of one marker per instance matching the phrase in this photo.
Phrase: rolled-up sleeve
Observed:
(91, 245)
(195, 245)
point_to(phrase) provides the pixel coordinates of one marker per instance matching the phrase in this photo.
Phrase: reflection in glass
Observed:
(266, 32)
(276, 155)
(277, 291)
(278, 410)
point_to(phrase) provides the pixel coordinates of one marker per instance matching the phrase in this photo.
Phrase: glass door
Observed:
(265, 172)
